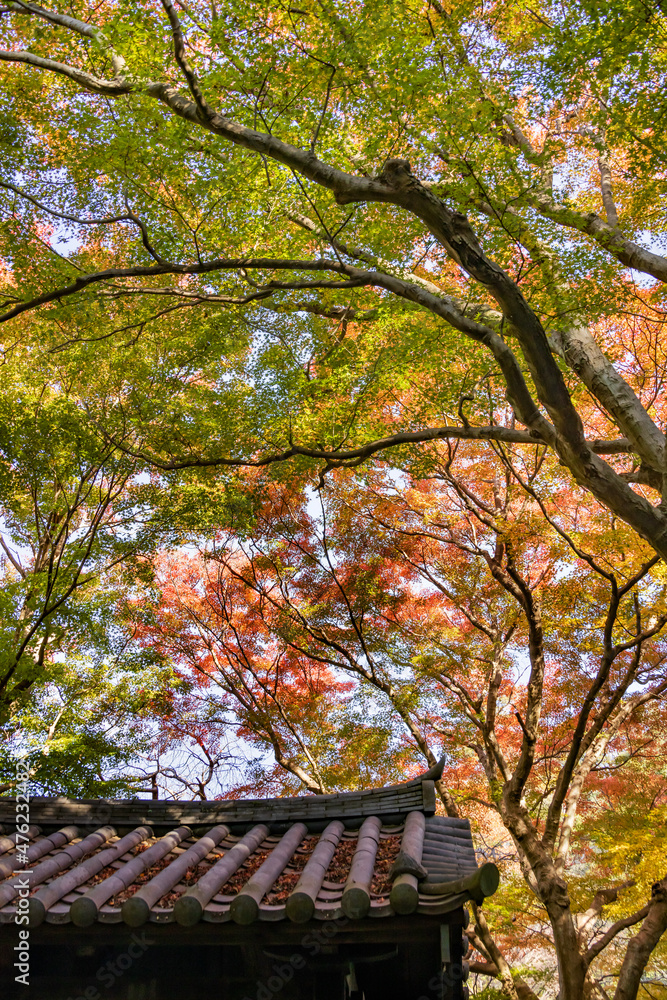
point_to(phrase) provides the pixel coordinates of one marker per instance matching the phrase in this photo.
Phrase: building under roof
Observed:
(321, 897)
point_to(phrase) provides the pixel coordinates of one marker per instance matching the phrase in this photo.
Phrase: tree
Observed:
(70, 513)
(83, 732)
(447, 598)
(216, 130)
(302, 234)
(280, 701)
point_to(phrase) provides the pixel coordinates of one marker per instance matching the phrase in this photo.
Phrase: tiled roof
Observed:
(390, 802)
(269, 860)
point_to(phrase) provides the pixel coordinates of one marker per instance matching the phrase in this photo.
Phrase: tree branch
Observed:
(605, 235)
(338, 458)
(396, 185)
(606, 190)
(94, 84)
(601, 943)
(179, 52)
(83, 281)
(513, 986)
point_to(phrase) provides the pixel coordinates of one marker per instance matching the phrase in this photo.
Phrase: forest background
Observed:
(332, 430)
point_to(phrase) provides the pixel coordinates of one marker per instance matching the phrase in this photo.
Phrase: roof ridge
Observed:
(388, 801)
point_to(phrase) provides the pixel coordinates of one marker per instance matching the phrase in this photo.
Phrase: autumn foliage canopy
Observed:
(332, 430)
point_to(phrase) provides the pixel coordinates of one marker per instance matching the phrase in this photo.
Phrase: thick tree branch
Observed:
(94, 84)
(605, 235)
(84, 281)
(574, 342)
(598, 374)
(603, 897)
(53, 17)
(73, 24)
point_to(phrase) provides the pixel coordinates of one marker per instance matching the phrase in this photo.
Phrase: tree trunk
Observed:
(513, 987)
(643, 943)
(552, 891)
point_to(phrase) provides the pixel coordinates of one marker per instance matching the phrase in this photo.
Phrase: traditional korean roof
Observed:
(374, 853)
